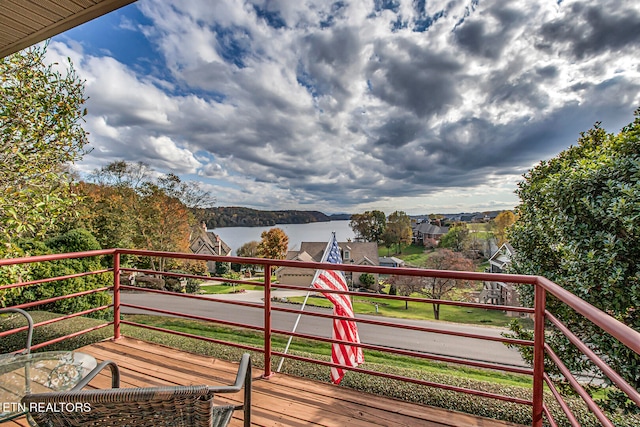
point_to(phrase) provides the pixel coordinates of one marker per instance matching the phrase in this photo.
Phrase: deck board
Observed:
(281, 400)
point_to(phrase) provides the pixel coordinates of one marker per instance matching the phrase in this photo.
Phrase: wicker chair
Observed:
(158, 406)
(27, 349)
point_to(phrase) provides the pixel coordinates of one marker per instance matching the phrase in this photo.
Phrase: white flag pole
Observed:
(325, 255)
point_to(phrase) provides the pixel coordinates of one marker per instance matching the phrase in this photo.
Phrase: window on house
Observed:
(347, 254)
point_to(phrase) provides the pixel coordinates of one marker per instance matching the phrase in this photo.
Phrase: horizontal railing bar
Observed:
(75, 334)
(54, 279)
(193, 316)
(622, 332)
(411, 353)
(466, 275)
(54, 257)
(577, 387)
(630, 391)
(187, 335)
(190, 276)
(407, 379)
(563, 405)
(167, 273)
(408, 299)
(403, 326)
(70, 316)
(54, 299)
(191, 296)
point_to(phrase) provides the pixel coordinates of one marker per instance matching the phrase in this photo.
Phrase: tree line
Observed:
(216, 217)
(396, 230)
(375, 226)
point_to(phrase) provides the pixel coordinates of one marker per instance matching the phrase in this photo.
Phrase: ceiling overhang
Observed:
(24, 23)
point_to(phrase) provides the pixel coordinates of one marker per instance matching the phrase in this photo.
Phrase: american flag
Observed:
(343, 330)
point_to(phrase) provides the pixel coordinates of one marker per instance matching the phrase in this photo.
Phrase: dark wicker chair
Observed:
(158, 406)
(27, 349)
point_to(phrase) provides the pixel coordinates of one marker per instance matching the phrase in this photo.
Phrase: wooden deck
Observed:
(279, 401)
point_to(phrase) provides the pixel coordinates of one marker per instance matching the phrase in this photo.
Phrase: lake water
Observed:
(312, 232)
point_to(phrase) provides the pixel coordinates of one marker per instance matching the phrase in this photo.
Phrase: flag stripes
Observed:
(343, 330)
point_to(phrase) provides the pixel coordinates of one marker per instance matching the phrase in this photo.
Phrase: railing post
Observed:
(538, 354)
(267, 321)
(116, 295)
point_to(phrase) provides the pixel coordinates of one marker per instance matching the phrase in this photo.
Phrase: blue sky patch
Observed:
(118, 35)
(272, 18)
(234, 44)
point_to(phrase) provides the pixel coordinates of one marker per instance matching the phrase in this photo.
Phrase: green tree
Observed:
(369, 226)
(222, 268)
(249, 250)
(41, 116)
(398, 230)
(456, 238)
(388, 239)
(578, 226)
(367, 280)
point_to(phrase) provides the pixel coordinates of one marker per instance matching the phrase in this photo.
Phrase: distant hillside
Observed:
(245, 217)
(340, 217)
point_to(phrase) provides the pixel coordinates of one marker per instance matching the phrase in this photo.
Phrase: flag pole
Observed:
(325, 255)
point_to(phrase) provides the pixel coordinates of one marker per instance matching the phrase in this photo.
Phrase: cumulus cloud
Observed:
(358, 104)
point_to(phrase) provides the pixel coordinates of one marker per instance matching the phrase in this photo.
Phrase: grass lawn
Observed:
(479, 226)
(404, 250)
(226, 289)
(256, 339)
(483, 266)
(417, 311)
(417, 259)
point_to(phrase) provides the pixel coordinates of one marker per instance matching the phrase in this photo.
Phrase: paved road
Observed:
(371, 334)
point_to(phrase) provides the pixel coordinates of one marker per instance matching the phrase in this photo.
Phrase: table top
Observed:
(47, 371)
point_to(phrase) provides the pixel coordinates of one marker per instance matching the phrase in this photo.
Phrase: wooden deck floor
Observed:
(279, 401)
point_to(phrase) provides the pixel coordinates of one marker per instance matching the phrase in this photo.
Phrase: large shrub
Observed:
(367, 280)
(78, 240)
(579, 227)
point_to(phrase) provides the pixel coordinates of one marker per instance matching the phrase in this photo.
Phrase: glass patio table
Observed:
(38, 373)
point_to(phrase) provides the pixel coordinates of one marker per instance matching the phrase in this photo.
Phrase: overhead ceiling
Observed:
(26, 22)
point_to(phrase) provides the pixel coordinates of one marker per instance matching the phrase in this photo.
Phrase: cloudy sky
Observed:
(422, 106)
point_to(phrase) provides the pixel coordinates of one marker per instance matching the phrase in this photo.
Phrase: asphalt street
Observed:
(433, 343)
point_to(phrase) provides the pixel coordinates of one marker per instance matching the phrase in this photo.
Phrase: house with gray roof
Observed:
(206, 242)
(425, 231)
(354, 253)
(391, 261)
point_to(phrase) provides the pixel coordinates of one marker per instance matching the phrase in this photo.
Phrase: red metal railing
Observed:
(540, 378)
